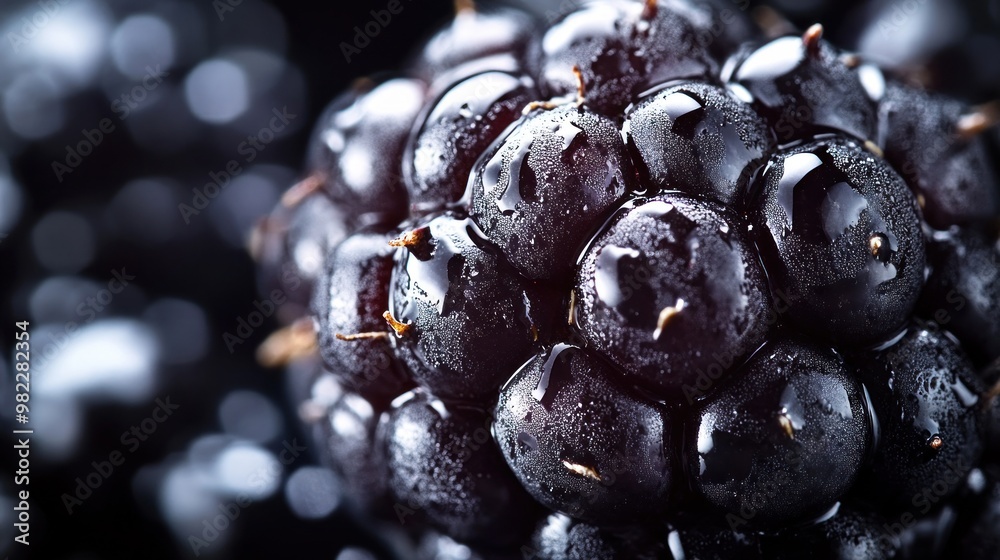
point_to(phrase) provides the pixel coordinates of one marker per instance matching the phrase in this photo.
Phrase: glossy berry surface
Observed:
(548, 185)
(357, 141)
(963, 290)
(784, 441)
(443, 463)
(562, 538)
(655, 284)
(927, 398)
(625, 48)
(699, 139)
(462, 124)
(840, 239)
(847, 535)
(346, 424)
(582, 445)
(952, 174)
(803, 86)
(501, 37)
(353, 337)
(669, 290)
(464, 314)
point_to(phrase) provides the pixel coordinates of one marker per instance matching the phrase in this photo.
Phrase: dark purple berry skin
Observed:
(347, 435)
(349, 300)
(805, 90)
(561, 538)
(548, 185)
(622, 50)
(697, 138)
(962, 293)
(848, 535)
(582, 445)
(358, 143)
(291, 250)
(981, 539)
(722, 25)
(671, 290)
(443, 465)
(704, 541)
(839, 235)
(479, 34)
(927, 400)
(467, 311)
(954, 176)
(783, 442)
(460, 126)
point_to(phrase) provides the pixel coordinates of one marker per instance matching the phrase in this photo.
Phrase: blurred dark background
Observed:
(113, 114)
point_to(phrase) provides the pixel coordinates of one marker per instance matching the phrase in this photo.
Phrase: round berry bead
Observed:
(461, 315)
(963, 290)
(697, 138)
(290, 247)
(927, 400)
(548, 185)
(358, 143)
(560, 537)
(460, 126)
(348, 304)
(444, 466)
(622, 48)
(784, 441)
(345, 428)
(671, 292)
(582, 445)
(951, 174)
(479, 34)
(804, 86)
(848, 535)
(839, 235)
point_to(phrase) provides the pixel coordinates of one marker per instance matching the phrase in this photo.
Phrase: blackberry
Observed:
(634, 284)
(459, 312)
(359, 139)
(624, 48)
(444, 466)
(562, 538)
(462, 124)
(848, 535)
(353, 337)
